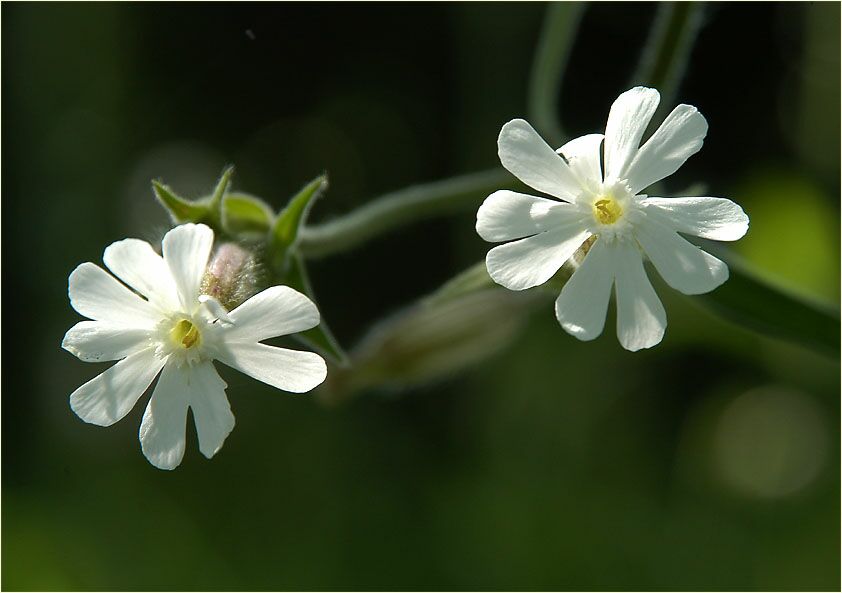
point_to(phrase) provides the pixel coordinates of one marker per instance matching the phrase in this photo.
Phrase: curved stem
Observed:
(662, 65)
(548, 67)
(397, 208)
(664, 58)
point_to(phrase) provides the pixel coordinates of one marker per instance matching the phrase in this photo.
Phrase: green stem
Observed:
(662, 65)
(398, 208)
(664, 58)
(548, 67)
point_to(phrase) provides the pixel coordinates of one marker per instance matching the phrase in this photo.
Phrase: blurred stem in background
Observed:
(662, 64)
(548, 67)
(666, 54)
(470, 317)
(398, 208)
(420, 202)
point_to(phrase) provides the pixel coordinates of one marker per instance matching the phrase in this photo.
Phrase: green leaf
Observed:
(758, 305)
(286, 229)
(319, 337)
(244, 214)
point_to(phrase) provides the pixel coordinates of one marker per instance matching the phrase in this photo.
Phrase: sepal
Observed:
(287, 225)
(206, 210)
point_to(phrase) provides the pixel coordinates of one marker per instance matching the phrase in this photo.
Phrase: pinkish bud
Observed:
(231, 275)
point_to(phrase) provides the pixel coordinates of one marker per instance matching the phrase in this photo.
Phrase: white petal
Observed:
(679, 137)
(162, 430)
(641, 319)
(215, 308)
(712, 218)
(583, 303)
(108, 397)
(276, 311)
(289, 370)
(96, 294)
(211, 410)
(526, 156)
(135, 262)
(97, 341)
(507, 215)
(583, 156)
(186, 251)
(627, 121)
(532, 261)
(682, 265)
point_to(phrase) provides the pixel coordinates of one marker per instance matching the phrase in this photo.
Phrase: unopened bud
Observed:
(430, 341)
(231, 276)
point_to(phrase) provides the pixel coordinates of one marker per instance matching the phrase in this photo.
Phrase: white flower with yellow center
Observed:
(158, 322)
(606, 213)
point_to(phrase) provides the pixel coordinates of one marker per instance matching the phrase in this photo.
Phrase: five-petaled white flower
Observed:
(164, 325)
(619, 224)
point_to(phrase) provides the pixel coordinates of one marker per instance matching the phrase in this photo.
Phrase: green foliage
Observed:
(246, 215)
(180, 209)
(206, 210)
(288, 224)
(749, 301)
(319, 337)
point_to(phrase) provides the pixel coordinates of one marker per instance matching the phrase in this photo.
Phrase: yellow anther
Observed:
(185, 334)
(607, 210)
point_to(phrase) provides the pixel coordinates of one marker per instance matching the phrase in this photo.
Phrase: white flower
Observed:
(609, 211)
(165, 326)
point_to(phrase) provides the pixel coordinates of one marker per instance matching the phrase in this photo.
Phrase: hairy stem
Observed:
(398, 208)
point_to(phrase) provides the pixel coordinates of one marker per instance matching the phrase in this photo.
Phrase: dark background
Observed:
(709, 462)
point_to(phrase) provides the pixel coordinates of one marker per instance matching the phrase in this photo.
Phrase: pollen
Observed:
(607, 210)
(185, 334)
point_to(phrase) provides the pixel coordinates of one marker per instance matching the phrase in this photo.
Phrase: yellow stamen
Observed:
(607, 210)
(185, 333)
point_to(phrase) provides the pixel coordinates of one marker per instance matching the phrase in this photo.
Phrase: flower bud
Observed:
(429, 342)
(231, 276)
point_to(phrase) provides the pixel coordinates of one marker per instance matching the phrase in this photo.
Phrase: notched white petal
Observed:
(583, 156)
(506, 215)
(526, 156)
(719, 219)
(137, 264)
(97, 341)
(276, 311)
(532, 261)
(676, 140)
(641, 319)
(186, 252)
(162, 430)
(583, 303)
(627, 121)
(96, 294)
(681, 264)
(211, 410)
(288, 370)
(108, 397)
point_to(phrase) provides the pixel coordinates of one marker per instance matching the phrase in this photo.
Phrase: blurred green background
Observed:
(709, 462)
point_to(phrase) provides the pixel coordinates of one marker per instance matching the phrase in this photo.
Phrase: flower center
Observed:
(185, 334)
(607, 210)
